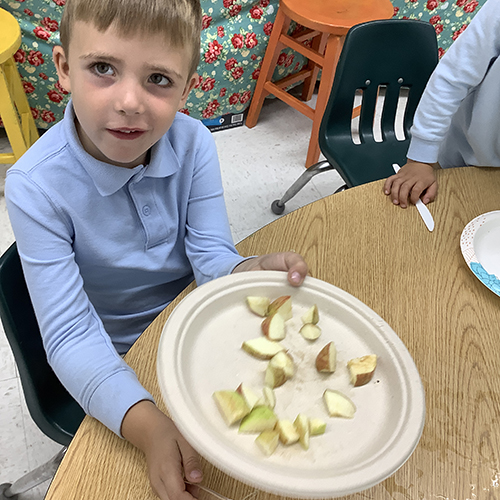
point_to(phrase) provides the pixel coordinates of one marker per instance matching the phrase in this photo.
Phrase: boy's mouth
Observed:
(126, 133)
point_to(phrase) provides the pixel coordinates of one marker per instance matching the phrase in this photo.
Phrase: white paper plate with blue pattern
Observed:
(480, 245)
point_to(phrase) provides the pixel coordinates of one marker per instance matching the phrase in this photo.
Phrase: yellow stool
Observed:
(14, 108)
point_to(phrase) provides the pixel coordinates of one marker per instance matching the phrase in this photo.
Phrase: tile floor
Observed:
(257, 166)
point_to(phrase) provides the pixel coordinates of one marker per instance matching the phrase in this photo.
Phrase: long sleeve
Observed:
(458, 74)
(78, 348)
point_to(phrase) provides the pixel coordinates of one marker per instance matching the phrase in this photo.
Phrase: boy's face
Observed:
(125, 91)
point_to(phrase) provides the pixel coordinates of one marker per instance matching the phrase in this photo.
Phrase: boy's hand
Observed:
(290, 262)
(410, 182)
(169, 457)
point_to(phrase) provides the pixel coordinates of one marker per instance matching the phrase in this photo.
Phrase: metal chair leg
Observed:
(278, 206)
(31, 479)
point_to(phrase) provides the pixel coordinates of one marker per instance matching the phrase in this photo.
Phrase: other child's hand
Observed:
(408, 185)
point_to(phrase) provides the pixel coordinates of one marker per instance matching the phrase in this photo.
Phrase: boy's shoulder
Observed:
(50, 145)
(188, 127)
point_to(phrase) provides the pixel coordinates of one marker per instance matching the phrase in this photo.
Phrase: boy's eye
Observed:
(103, 69)
(161, 80)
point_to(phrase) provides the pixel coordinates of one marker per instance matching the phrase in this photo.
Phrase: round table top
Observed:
(419, 283)
(10, 35)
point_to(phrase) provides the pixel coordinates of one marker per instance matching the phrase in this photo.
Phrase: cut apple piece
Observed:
(268, 441)
(317, 426)
(285, 361)
(232, 406)
(262, 348)
(326, 360)
(283, 306)
(287, 432)
(302, 425)
(249, 395)
(275, 376)
(362, 369)
(261, 418)
(258, 305)
(273, 327)
(279, 370)
(310, 331)
(269, 397)
(311, 316)
(338, 404)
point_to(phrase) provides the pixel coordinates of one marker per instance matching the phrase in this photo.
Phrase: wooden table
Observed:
(420, 284)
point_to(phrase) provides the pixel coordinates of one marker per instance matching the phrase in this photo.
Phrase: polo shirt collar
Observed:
(107, 178)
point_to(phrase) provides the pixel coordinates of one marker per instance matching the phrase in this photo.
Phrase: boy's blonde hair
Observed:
(179, 20)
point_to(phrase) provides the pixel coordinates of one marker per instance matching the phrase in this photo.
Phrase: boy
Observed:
(115, 208)
(457, 121)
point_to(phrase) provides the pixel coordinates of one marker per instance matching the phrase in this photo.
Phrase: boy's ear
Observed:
(189, 86)
(62, 67)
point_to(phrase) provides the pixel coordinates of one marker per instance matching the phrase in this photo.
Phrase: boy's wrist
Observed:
(139, 421)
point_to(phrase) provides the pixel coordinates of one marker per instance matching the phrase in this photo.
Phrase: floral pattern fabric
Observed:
(449, 17)
(234, 39)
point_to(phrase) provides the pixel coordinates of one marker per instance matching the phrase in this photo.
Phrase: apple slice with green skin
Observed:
(287, 432)
(269, 397)
(283, 306)
(302, 425)
(362, 369)
(268, 441)
(338, 404)
(317, 426)
(232, 406)
(262, 348)
(261, 418)
(326, 360)
(310, 331)
(273, 327)
(258, 305)
(311, 316)
(249, 395)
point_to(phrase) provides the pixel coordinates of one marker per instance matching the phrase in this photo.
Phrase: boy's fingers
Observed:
(388, 185)
(430, 194)
(192, 466)
(297, 268)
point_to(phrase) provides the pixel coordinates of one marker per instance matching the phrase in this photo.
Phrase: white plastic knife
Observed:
(422, 209)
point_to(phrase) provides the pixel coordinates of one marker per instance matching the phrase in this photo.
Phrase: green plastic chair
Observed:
(390, 60)
(52, 408)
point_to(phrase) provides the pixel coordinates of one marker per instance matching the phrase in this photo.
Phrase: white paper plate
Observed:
(200, 353)
(480, 245)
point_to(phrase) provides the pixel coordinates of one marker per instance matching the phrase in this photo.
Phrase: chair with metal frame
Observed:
(52, 408)
(386, 64)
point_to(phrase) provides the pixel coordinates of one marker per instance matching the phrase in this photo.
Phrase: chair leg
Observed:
(281, 25)
(31, 479)
(331, 57)
(278, 206)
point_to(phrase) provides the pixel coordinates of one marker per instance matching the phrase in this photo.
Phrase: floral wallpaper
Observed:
(234, 39)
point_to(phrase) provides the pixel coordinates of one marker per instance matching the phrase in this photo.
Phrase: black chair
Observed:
(52, 408)
(387, 61)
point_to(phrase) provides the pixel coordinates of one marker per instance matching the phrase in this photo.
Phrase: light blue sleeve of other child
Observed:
(459, 72)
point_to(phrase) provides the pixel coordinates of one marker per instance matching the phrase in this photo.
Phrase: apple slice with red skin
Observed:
(326, 360)
(362, 369)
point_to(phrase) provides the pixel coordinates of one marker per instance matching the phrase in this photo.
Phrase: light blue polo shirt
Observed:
(105, 249)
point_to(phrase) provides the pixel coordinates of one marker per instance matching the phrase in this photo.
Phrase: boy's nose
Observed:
(128, 99)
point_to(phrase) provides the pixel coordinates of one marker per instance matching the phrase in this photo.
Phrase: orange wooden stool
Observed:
(327, 22)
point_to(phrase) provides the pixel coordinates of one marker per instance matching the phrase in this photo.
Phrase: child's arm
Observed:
(208, 241)
(413, 180)
(169, 457)
(291, 263)
(458, 73)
